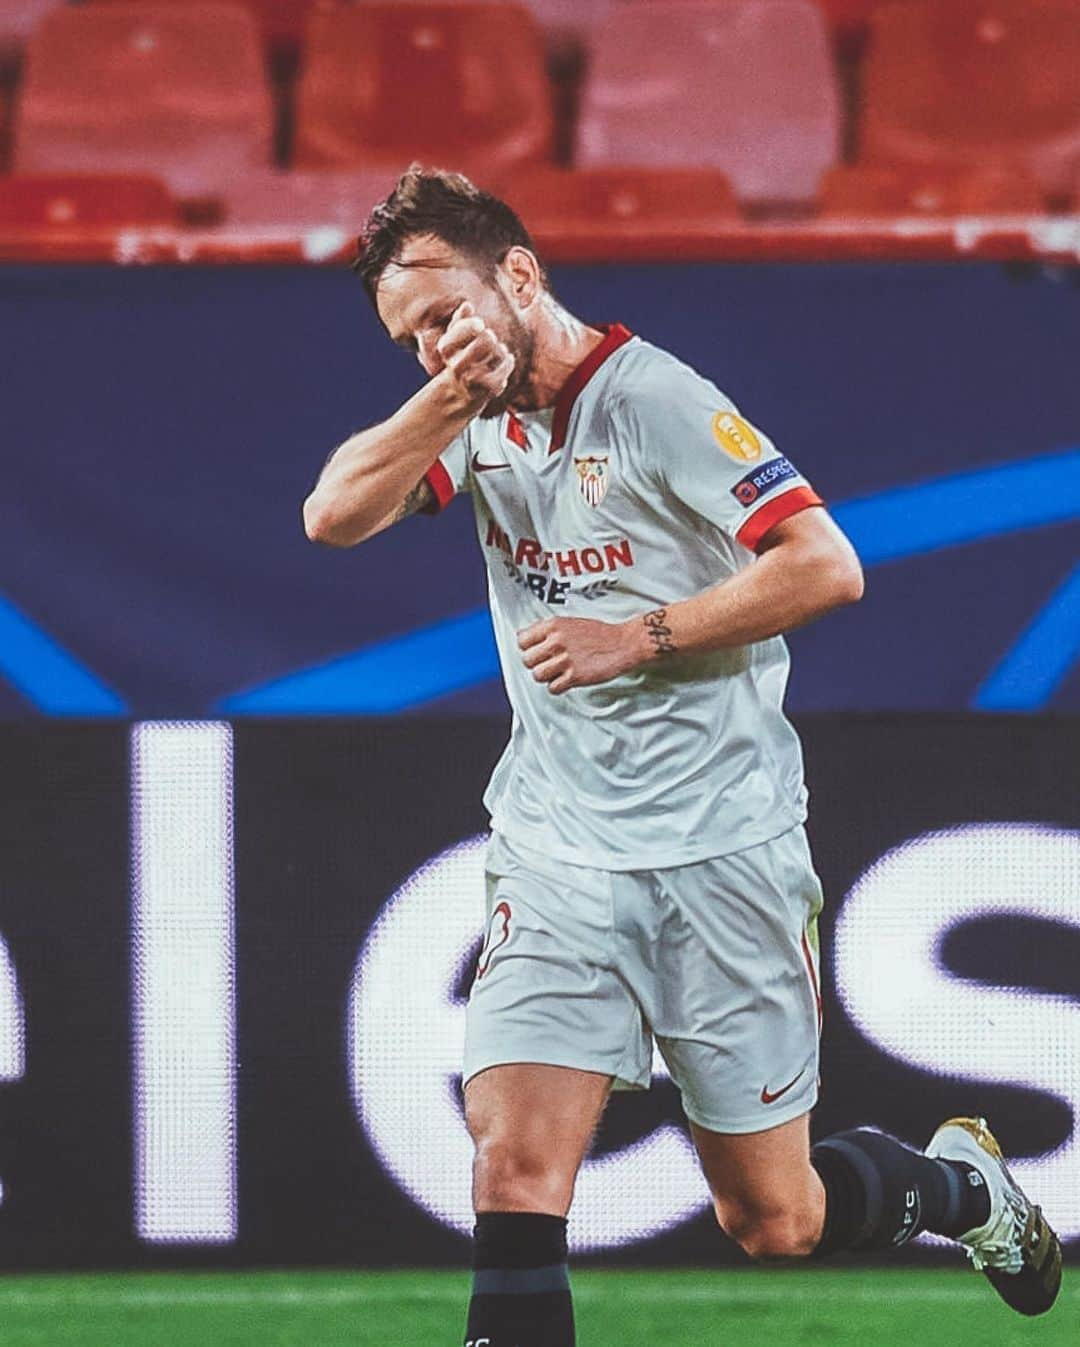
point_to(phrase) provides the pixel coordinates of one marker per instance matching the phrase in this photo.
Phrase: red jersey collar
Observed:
(615, 335)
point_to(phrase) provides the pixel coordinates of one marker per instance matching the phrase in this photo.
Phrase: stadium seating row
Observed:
(966, 106)
(555, 202)
(283, 21)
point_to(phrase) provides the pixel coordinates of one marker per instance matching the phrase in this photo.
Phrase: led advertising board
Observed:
(234, 960)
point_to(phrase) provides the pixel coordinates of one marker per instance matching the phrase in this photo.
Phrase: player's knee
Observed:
(776, 1233)
(509, 1174)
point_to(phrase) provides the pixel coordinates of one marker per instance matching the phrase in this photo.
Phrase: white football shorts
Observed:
(718, 961)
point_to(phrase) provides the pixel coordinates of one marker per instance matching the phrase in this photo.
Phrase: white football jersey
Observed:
(642, 486)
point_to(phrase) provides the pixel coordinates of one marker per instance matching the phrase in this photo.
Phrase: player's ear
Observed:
(522, 272)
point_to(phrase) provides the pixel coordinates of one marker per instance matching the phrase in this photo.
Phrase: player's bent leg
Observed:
(881, 1193)
(765, 1191)
(531, 1125)
(859, 1190)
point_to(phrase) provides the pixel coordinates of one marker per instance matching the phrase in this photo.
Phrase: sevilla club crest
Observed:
(592, 478)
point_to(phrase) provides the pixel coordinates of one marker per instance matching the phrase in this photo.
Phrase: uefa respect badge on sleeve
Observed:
(749, 489)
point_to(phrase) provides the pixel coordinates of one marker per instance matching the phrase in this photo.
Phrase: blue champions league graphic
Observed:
(162, 426)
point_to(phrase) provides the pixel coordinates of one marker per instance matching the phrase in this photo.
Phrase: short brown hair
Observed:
(447, 206)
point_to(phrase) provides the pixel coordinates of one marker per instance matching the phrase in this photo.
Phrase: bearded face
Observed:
(421, 289)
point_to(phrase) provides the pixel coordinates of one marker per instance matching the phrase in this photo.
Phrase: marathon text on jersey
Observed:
(570, 561)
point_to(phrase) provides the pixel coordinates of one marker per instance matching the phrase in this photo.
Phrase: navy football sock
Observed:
(521, 1289)
(880, 1193)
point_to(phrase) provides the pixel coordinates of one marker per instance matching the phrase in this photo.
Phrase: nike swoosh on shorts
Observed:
(771, 1098)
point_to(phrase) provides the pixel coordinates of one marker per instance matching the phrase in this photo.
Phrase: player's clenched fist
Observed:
(474, 355)
(577, 652)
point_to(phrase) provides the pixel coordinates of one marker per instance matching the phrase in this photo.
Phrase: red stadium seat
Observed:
(552, 200)
(5, 130)
(744, 86)
(848, 16)
(456, 86)
(883, 189)
(303, 200)
(282, 21)
(570, 18)
(72, 202)
(17, 21)
(975, 81)
(177, 91)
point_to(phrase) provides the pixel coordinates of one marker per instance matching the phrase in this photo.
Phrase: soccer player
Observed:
(648, 872)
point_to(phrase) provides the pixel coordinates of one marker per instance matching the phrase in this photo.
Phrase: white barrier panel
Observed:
(12, 1020)
(12, 1025)
(182, 969)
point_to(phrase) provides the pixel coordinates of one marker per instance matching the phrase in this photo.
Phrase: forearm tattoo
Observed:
(659, 633)
(418, 498)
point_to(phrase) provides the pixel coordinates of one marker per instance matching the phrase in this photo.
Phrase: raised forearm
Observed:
(366, 480)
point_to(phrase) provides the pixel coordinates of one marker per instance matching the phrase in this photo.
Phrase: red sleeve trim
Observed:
(775, 512)
(439, 480)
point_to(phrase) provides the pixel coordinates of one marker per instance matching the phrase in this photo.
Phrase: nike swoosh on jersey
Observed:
(477, 466)
(771, 1098)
